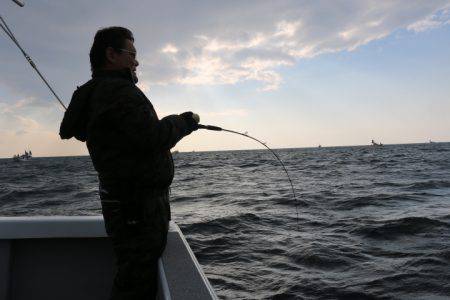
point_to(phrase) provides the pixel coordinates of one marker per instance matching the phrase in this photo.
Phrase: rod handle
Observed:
(209, 127)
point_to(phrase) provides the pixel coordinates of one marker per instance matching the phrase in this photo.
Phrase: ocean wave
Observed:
(392, 229)
(45, 204)
(182, 199)
(388, 184)
(223, 224)
(188, 179)
(426, 262)
(211, 195)
(430, 184)
(317, 256)
(374, 200)
(289, 200)
(323, 289)
(250, 165)
(444, 254)
(88, 195)
(412, 283)
(30, 194)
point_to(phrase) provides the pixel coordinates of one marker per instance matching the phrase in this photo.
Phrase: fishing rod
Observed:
(8, 32)
(20, 3)
(216, 128)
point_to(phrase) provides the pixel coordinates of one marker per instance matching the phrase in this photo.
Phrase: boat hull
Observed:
(72, 258)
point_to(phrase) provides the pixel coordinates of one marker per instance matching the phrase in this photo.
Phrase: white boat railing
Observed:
(71, 257)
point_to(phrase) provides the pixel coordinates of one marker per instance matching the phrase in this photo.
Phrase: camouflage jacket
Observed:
(124, 136)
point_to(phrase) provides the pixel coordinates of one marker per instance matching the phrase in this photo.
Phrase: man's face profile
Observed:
(125, 58)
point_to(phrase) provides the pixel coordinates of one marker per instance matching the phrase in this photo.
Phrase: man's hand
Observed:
(191, 119)
(196, 117)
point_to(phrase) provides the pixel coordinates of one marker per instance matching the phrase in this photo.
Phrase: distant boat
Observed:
(320, 146)
(21, 157)
(431, 142)
(376, 144)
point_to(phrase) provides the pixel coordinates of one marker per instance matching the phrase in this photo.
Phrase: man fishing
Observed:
(130, 149)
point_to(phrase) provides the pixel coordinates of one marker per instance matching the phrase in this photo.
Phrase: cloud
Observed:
(287, 29)
(256, 51)
(432, 21)
(169, 48)
(205, 42)
(17, 105)
(217, 61)
(16, 124)
(18, 118)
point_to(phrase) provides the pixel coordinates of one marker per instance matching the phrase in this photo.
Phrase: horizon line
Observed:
(255, 149)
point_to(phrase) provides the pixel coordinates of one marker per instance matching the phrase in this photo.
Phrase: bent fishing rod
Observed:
(8, 32)
(216, 128)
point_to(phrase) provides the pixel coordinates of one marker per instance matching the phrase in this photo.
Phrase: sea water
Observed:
(373, 222)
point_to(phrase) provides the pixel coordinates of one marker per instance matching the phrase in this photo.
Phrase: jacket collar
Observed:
(123, 73)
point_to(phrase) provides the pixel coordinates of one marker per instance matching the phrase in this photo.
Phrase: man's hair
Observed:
(107, 37)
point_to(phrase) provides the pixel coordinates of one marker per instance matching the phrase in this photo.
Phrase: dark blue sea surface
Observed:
(374, 222)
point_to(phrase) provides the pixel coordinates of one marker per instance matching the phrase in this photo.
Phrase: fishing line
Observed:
(9, 33)
(215, 128)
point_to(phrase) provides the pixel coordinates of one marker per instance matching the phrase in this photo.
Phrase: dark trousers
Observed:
(136, 219)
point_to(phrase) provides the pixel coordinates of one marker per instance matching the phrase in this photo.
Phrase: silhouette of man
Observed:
(130, 149)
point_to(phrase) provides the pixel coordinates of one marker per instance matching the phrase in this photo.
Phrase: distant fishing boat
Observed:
(376, 144)
(431, 142)
(21, 157)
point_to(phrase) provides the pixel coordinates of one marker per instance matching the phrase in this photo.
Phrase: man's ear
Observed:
(110, 55)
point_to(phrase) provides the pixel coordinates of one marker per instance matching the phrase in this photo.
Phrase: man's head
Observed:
(113, 49)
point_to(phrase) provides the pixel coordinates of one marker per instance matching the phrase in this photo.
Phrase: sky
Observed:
(290, 73)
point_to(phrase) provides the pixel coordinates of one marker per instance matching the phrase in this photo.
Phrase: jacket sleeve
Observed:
(133, 116)
(76, 116)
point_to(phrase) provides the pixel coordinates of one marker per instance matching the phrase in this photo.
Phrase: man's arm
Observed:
(132, 115)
